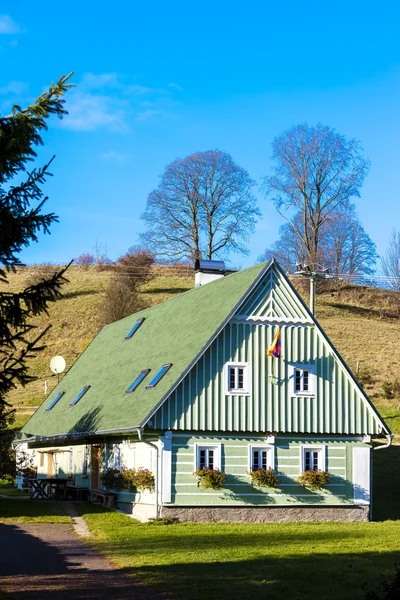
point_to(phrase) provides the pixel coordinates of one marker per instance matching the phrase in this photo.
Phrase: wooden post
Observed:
(313, 291)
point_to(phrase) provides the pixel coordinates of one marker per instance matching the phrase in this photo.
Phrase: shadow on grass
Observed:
(355, 310)
(78, 293)
(170, 290)
(386, 484)
(344, 576)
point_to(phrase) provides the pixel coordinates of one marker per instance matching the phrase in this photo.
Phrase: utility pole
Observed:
(317, 272)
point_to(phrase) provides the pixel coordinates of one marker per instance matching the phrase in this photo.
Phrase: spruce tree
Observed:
(21, 219)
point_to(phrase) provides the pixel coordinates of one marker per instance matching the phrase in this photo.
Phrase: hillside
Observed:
(362, 323)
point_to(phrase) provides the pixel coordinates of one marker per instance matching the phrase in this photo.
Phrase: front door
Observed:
(95, 462)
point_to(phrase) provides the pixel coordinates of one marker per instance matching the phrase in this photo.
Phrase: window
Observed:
(237, 378)
(158, 376)
(313, 458)
(303, 380)
(208, 456)
(261, 457)
(137, 381)
(54, 402)
(134, 329)
(79, 396)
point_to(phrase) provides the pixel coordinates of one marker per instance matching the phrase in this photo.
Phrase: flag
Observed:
(275, 347)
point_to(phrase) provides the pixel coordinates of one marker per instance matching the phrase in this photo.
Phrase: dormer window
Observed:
(237, 379)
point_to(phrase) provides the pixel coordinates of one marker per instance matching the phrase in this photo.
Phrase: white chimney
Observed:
(207, 271)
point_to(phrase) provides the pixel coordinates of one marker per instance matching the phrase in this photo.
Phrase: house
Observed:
(188, 384)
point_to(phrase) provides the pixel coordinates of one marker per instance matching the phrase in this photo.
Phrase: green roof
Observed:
(176, 332)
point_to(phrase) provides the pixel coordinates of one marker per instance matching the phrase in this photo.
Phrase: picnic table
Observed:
(46, 487)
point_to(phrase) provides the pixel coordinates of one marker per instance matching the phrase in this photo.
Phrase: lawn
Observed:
(279, 561)
(24, 510)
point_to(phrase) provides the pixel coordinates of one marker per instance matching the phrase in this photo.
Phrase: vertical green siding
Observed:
(201, 403)
(235, 463)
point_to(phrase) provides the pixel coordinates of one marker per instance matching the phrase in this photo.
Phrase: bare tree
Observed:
(390, 265)
(120, 300)
(135, 267)
(202, 207)
(316, 172)
(344, 247)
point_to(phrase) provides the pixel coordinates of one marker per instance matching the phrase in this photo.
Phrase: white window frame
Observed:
(205, 446)
(246, 391)
(270, 455)
(311, 379)
(321, 449)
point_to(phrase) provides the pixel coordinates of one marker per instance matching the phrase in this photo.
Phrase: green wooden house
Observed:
(188, 385)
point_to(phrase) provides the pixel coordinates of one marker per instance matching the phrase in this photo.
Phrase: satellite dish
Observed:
(58, 364)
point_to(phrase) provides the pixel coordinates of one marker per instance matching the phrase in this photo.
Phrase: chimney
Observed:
(207, 271)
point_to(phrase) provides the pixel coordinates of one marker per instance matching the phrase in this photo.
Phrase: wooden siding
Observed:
(201, 402)
(238, 490)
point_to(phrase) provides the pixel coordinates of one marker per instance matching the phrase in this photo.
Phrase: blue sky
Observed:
(160, 80)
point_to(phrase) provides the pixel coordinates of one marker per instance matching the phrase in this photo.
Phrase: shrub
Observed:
(128, 479)
(112, 479)
(365, 376)
(84, 260)
(143, 479)
(264, 478)
(391, 389)
(163, 521)
(119, 301)
(136, 267)
(210, 478)
(314, 480)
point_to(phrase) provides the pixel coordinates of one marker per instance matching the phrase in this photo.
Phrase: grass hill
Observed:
(362, 322)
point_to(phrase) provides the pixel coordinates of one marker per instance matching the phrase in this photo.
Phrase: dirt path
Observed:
(49, 561)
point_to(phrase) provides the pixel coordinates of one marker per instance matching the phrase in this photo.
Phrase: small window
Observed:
(137, 381)
(261, 457)
(158, 376)
(207, 457)
(134, 329)
(303, 381)
(54, 402)
(79, 396)
(238, 378)
(313, 458)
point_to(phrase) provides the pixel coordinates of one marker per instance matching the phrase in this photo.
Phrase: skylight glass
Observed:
(54, 402)
(158, 376)
(138, 380)
(79, 396)
(134, 329)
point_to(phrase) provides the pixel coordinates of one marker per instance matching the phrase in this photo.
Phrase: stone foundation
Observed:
(217, 514)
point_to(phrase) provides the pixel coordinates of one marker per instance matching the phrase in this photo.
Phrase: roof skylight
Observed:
(158, 376)
(79, 396)
(137, 381)
(134, 328)
(54, 402)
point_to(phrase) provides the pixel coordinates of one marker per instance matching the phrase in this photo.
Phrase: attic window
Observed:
(54, 402)
(137, 381)
(134, 329)
(158, 376)
(79, 396)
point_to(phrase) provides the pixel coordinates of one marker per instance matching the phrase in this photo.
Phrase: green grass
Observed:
(16, 510)
(225, 561)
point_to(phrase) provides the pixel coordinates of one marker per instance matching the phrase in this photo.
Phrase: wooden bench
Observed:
(103, 496)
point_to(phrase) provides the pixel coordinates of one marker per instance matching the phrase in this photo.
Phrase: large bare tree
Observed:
(202, 208)
(390, 265)
(344, 247)
(316, 172)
